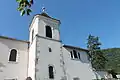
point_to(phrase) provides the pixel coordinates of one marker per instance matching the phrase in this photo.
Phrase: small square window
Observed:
(50, 50)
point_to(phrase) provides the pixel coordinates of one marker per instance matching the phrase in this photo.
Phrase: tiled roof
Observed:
(5, 37)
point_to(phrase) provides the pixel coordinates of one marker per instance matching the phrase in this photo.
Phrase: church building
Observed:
(43, 56)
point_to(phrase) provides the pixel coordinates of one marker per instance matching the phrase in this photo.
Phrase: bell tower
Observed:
(44, 26)
(45, 48)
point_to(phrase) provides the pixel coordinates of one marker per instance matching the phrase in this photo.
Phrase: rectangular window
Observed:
(71, 54)
(50, 50)
(75, 54)
(78, 55)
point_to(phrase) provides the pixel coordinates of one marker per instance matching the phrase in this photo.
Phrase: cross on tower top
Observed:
(43, 9)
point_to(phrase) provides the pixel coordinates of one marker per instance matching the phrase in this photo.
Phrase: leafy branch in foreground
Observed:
(24, 6)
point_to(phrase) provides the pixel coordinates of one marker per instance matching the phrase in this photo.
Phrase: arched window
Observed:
(13, 55)
(48, 32)
(51, 72)
(28, 78)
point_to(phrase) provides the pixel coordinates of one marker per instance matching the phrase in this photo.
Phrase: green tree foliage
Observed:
(113, 57)
(96, 55)
(24, 6)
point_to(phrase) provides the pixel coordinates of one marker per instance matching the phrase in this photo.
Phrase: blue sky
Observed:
(79, 19)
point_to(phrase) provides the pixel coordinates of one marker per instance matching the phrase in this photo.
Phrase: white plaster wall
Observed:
(43, 21)
(35, 27)
(46, 58)
(32, 53)
(32, 48)
(38, 24)
(41, 28)
(78, 68)
(12, 70)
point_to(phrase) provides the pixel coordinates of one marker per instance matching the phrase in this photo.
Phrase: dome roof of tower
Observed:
(46, 15)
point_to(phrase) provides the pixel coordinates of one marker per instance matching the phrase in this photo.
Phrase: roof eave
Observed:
(5, 37)
(74, 47)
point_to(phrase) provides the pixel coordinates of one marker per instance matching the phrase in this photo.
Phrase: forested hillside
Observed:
(113, 57)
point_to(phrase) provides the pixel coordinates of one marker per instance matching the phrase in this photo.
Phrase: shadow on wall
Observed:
(1, 67)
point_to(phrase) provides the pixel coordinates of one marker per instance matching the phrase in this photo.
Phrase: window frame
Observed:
(72, 55)
(49, 49)
(79, 56)
(51, 76)
(48, 28)
(9, 61)
(75, 54)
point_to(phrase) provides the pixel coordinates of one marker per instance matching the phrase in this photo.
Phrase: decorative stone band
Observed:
(48, 38)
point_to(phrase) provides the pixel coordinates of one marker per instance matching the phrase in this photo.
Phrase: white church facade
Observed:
(44, 57)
